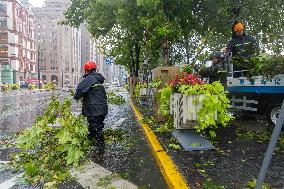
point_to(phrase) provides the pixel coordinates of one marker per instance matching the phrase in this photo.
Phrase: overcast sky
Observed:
(36, 3)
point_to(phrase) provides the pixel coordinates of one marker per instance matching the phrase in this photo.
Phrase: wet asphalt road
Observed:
(131, 157)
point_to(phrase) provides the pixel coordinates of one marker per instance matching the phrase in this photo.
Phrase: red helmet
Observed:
(89, 65)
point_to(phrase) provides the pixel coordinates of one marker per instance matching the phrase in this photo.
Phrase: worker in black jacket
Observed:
(217, 71)
(95, 107)
(242, 47)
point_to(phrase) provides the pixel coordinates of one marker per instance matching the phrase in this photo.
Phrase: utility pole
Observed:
(271, 147)
(38, 76)
(62, 78)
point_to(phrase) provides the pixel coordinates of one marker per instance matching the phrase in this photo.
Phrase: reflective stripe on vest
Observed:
(96, 85)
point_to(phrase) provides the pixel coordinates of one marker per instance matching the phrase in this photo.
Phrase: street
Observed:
(130, 157)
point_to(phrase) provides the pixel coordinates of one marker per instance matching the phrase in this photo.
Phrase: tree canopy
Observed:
(165, 32)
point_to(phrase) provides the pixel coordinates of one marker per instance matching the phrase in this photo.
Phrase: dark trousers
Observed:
(96, 126)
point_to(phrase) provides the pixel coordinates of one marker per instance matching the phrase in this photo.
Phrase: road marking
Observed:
(10, 183)
(170, 172)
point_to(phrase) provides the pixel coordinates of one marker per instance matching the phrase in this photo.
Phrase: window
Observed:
(20, 40)
(3, 23)
(31, 34)
(25, 18)
(3, 8)
(4, 50)
(4, 37)
(19, 27)
(18, 12)
(4, 62)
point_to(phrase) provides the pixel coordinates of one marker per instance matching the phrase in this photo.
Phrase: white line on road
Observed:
(10, 183)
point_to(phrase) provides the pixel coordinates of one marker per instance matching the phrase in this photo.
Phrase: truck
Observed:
(257, 94)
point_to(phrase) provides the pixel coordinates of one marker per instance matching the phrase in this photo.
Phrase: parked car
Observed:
(24, 84)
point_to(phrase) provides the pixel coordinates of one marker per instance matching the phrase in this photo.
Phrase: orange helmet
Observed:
(238, 27)
(89, 65)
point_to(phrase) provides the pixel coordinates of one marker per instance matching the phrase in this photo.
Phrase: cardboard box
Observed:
(165, 73)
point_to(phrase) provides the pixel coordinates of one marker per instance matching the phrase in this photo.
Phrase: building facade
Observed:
(86, 45)
(91, 50)
(59, 46)
(123, 74)
(17, 41)
(108, 69)
(98, 57)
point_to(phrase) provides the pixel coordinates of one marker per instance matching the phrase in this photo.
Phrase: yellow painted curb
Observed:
(171, 174)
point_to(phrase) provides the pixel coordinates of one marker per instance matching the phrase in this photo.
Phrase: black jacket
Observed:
(94, 95)
(216, 72)
(244, 46)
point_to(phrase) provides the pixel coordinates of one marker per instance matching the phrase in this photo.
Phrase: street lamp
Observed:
(62, 77)
(38, 76)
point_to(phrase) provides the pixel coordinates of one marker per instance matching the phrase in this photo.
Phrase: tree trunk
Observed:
(131, 67)
(137, 54)
(166, 51)
(187, 50)
(132, 79)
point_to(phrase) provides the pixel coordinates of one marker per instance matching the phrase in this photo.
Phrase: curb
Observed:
(171, 174)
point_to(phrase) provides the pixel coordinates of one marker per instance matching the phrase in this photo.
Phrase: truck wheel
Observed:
(273, 113)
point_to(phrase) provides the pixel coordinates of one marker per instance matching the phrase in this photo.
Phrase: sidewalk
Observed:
(90, 175)
(94, 176)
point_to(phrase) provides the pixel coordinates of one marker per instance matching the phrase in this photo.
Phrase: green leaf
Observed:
(212, 134)
(31, 169)
(175, 146)
(208, 184)
(48, 152)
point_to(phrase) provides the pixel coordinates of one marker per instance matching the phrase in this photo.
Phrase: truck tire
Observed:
(273, 113)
